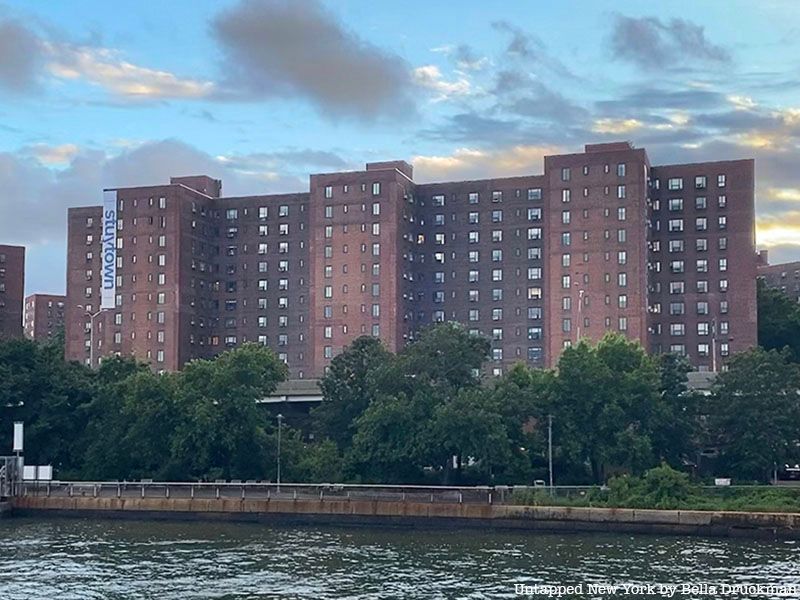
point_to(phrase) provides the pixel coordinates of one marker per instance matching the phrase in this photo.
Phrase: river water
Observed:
(65, 559)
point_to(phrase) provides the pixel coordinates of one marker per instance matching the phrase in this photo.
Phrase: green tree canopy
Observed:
(757, 413)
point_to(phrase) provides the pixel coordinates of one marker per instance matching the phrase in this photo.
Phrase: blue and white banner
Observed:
(109, 250)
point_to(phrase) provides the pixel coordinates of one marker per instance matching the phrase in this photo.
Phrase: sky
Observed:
(261, 93)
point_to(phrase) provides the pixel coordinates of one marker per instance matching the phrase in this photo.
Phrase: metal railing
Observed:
(256, 490)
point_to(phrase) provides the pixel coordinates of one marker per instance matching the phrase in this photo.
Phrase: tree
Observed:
(757, 414)
(778, 321)
(347, 389)
(606, 397)
(467, 427)
(220, 431)
(675, 429)
(386, 446)
(50, 397)
(444, 359)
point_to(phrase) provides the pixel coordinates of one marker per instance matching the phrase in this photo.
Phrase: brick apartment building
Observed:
(781, 276)
(12, 290)
(601, 241)
(44, 316)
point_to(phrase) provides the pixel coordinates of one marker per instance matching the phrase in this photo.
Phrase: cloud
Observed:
(520, 94)
(616, 126)
(106, 68)
(471, 163)
(297, 48)
(528, 48)
(20, 57)
(52, 155)
(650, 43)
(430, 77)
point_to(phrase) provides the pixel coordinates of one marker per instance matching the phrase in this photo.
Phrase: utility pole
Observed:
(550, 449)
(280, 422)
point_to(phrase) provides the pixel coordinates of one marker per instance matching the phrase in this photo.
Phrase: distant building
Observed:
(784, 276)
(12, 290)
(601, 241)
(44, 316)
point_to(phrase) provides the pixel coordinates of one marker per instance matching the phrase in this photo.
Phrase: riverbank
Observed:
(5, 509)
(422, 514)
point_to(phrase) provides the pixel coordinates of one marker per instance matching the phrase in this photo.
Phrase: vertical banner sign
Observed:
(109, 251)
(18, 429)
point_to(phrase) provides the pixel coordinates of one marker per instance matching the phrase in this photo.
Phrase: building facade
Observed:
(12, 290)
(601, 241)
(781, 276)
(44, 316)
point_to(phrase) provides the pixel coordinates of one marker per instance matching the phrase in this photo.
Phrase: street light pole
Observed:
(92, 317)
(280, 422)
(550, 449)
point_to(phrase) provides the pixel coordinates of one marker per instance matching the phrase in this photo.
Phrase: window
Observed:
(231, 214)
(328, 191)
(565, 174)
(534, 214)
(622, 279)
(497, 274)
(675, 204)
(565, 195)
(702, 265)
(677, 308)
(565, 238)
(473, 197)
(621, 214)
(675, 183)
(620, 191)
(263, 212)
(700, 203)
(722, 222)
(565, 217)
(723, 264)
(497, 216)
(621, 170)
(702, 328)
(534, 193)
(722, 201)
(701, 224)
(283, 210)
(675, 225)
(497, 196)
(534, 233)
(376, 189)
(675, 246)
(700, 182)
(677, 329)
(721, 180)
(474, 237)
(376, 208)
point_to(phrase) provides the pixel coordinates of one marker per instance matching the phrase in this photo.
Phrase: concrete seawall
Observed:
(420, 514)
(5, 509)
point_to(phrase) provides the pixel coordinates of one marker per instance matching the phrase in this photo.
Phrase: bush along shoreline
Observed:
(664, 488)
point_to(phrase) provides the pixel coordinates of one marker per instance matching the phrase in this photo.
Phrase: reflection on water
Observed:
(77, 559)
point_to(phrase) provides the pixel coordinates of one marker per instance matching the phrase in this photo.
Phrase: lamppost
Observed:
(550, 449)
(280, 423)
(92, 317)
